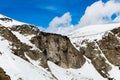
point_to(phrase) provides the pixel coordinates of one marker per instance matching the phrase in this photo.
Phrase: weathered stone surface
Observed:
(5, 32)
(15, 42)
(3, 75)
(106, 48)
(94, 54)
(25, 29)
(6, 19)
(110, 46)
(58, 49)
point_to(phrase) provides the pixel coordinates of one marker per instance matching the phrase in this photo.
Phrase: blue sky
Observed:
(41, 12)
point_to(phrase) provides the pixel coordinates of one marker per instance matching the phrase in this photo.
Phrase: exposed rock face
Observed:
(3, 75)
(104, 52)
(15, 42)
(6, 19)
(58, 49)
(51, 47)
(93, 52)
(110, 45)
(25, 29)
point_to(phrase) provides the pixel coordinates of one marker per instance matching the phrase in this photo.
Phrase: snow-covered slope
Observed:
(7, 22)
(92, 32)
(87, 72)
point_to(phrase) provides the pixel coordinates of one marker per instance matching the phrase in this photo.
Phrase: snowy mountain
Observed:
(101, 44)
(89, 53)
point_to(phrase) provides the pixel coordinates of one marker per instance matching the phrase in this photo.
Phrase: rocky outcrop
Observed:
(110, 45)
(93, 52)
(25, 29)
(3, 75)
(15, 42)
(5, 19)
(58, 49)
(104, 53)
(53, 47)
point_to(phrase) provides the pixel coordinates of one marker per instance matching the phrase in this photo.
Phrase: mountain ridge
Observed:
(24, 46)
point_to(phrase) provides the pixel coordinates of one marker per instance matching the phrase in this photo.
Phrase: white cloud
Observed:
(97, 13)
(61, 25)
(52, 8)
(100, 13)
(41, 28)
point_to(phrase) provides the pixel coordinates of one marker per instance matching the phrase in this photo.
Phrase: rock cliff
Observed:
(104, 53)
(53, 47)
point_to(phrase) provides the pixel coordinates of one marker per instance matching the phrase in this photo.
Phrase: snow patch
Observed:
(86, 72)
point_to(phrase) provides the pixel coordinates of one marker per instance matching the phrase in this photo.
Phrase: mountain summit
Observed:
(7, 22)
(89, 53)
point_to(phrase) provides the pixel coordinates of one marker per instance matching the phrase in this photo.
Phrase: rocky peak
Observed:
(102, 48)
(53, 47)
